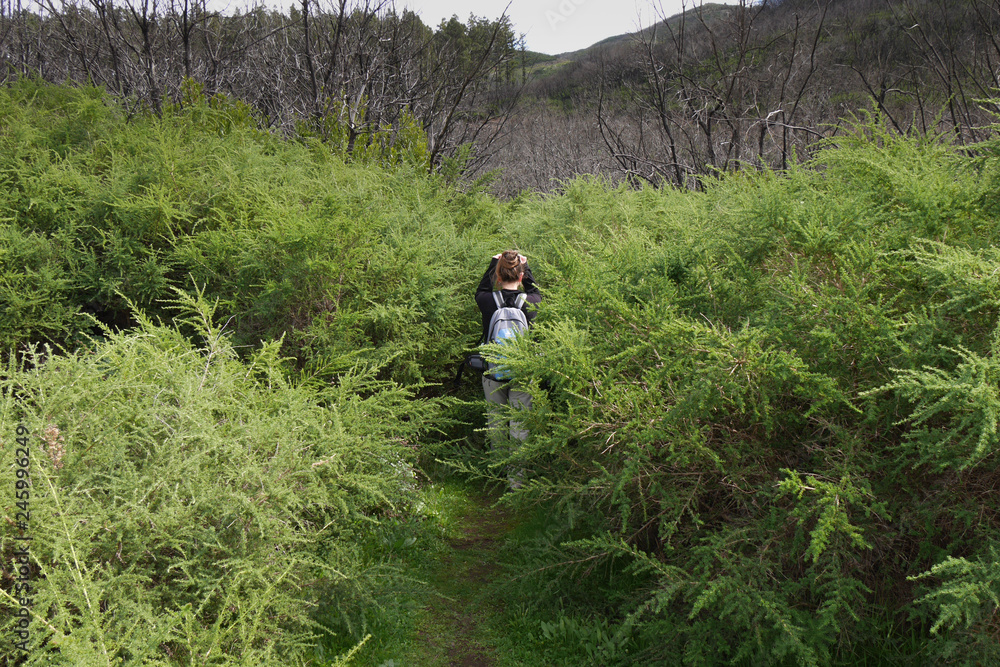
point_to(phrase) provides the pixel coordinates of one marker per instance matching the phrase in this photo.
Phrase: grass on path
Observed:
(455, 617)
(458, 620)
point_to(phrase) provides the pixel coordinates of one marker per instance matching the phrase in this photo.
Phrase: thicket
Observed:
(779, 399)
(220, 342)
(764, 416)
(347, 263)
(190, 508)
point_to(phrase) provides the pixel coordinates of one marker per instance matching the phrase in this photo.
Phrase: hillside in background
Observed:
(708, 12)
(723, 88)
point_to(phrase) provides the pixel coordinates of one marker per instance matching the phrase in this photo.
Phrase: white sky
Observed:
(557, 26)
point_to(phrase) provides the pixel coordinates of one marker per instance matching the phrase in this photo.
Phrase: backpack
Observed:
(507, 322)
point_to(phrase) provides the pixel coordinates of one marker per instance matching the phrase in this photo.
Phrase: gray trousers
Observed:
(502, 393)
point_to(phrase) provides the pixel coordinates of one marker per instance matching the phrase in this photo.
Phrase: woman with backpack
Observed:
(500, 288)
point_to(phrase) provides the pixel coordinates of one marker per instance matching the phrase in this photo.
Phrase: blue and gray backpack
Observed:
(506, 323)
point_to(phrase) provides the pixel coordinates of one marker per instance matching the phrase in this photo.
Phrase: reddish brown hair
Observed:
(509, 267)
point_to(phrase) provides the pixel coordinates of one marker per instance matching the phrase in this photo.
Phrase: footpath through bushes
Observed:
(764, 417)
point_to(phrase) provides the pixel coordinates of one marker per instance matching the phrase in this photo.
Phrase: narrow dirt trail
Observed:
(462, 602)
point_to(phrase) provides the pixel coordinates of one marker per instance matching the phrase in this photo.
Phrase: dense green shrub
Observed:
(780, 397)
(35, 289)
(764, 416)
(187, 507)
(352, 260)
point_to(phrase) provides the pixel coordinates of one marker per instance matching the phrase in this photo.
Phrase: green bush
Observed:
(35, 290)
(189, 507)
(764, 414)
(374, 263)
(776, 398)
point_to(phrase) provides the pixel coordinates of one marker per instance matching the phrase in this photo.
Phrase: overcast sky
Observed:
(557, 26)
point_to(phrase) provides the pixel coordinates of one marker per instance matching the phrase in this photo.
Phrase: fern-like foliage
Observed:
(954, 417)
(188, 507)
(964, 606)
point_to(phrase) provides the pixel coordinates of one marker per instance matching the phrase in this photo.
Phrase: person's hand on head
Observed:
(521, 258)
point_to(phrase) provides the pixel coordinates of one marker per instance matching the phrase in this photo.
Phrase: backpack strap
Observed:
(519, 302)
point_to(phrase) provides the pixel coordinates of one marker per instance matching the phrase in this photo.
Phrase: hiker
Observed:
(502, 283)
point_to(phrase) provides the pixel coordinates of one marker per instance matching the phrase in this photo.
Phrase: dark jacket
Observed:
(484, 295)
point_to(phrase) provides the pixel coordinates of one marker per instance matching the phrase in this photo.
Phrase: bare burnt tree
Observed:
(881, 58)
(257, 56)
(123, 46)
(366, 66)
(6, 29)
(76, 39)
(546, 145)
(145, 16)
(958, 46)
(364, 58)
(351, 67)
(371, 65)
(21, 38)
(717, 92)
(185, 17)
(926, 66)
(988, 17)
(471, 92)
